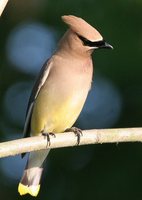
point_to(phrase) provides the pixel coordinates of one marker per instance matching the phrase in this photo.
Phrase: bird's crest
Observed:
(82, 28)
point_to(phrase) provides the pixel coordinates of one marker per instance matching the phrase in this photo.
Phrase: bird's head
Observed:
(82, 36)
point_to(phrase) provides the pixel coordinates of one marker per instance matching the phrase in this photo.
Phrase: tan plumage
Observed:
(81, 27)
(60, 92)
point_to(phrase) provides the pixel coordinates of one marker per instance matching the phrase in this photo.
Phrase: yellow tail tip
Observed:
(25, 189)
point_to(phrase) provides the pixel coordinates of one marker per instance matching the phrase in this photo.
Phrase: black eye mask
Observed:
(97, 44)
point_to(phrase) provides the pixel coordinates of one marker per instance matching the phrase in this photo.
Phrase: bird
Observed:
(60, 92)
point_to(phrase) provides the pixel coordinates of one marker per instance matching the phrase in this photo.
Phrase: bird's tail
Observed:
(30, 182)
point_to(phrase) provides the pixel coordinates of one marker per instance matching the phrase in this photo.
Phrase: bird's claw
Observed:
(78, 133)
(47, 136)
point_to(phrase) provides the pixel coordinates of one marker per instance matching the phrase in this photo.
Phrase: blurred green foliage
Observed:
(112, 171)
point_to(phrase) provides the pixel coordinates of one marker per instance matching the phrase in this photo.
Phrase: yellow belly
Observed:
(55, 114)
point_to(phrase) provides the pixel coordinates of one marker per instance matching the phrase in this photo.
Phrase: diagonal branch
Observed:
(3, 3)
(96, 136)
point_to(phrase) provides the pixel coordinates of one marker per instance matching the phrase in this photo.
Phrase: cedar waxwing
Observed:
(60, 92)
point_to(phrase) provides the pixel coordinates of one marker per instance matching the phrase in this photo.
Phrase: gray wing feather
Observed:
(35, 91)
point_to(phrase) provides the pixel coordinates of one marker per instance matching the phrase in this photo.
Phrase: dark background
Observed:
(29, 32)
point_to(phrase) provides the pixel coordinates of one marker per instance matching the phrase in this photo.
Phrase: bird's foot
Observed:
(47, 136)
(78, 133)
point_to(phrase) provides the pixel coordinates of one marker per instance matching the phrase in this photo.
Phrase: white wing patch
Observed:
(43, 79)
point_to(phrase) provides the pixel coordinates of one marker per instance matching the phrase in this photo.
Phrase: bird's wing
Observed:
(35, 91)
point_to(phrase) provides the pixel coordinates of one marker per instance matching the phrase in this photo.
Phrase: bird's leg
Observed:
(47, 136)
(78, 133)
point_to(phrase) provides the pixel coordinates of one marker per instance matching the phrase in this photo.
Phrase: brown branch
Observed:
(3, 3)
(96, 136)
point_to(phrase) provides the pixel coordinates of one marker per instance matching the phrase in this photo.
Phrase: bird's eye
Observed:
(97, 44)
(84, 40)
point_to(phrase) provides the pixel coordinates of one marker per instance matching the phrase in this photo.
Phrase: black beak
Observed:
(106, 45)
(102, 45)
